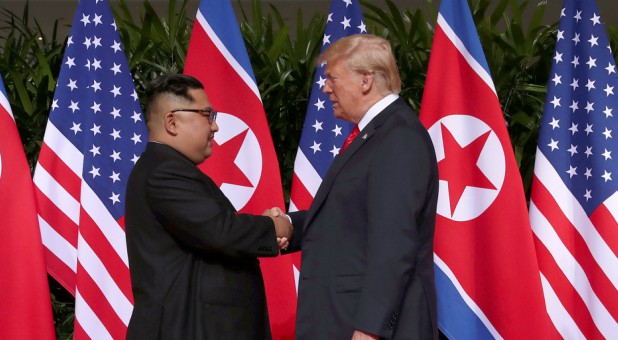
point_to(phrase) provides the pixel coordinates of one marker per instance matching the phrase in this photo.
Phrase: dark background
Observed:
(46, 11)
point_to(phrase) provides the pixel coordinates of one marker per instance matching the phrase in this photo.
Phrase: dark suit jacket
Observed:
(367, 240)
(192, 258)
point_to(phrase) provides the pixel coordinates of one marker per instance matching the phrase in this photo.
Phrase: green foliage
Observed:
(517, 45)
(519, 58)
(30, 63)
(64, 315)
(153, 45)
(284, 70)
(410, 35)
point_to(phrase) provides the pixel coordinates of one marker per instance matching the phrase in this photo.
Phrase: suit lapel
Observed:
(342, 159)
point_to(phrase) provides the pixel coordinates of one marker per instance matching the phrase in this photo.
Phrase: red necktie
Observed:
(350, 138)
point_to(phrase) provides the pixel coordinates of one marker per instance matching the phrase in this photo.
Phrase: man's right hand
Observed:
(283, 226)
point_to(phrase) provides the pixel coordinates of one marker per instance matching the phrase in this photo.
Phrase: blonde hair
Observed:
(367, 53)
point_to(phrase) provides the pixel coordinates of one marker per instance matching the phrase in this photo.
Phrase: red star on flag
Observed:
(459, 167)
(226, 171)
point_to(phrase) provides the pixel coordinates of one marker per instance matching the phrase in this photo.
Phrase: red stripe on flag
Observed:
(56, 219)
(577, 246)
(94, 297)
(300, 195)
(568, 296)
(60, 271)
(117, 269)
(78, 331)
(607, 226)
(60, 171)
(121, 223)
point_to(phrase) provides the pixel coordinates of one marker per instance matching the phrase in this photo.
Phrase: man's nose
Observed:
(326, 89)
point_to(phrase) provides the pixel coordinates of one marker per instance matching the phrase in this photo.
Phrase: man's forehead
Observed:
(199, 95)
(334, 67)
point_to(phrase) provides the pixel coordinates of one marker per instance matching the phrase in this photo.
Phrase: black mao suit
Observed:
(192, 258)
(367, 239)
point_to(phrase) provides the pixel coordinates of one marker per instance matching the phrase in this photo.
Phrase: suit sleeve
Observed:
(398, 181)
(298, 220)
(190, 211)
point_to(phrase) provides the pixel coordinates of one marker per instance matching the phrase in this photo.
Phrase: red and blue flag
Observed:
(486, 270)
(243, 163)
(24, 280)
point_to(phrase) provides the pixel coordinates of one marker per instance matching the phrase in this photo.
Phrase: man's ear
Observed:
(170, 123)
(367, 81)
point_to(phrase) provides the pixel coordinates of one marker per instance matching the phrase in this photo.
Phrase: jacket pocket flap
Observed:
(349, 283)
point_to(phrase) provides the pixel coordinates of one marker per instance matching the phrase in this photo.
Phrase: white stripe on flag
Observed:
(58, 245)
(306, 173)
(543, 229)
(56, 193)
(565, 325)
(612, 205)
(99, 274)
(569, 205)
(465, 53)
(105, 221)
(89, 321)
(293, 206)
(473, 306)
(228, 56)
(5, 103)
(64, 149)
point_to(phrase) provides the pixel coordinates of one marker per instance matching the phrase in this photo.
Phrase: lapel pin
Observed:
(365, 136)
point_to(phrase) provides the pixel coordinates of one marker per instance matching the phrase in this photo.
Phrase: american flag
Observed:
(23, 279)
(323, 134)
(94, 136)
(486, 272)
(574, 203)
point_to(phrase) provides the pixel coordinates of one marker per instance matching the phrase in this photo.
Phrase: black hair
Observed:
(175, 84)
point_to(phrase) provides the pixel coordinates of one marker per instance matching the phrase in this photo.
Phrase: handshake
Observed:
(283, 226)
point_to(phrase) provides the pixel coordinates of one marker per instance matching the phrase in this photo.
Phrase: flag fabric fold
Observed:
(27, 313)
(244, 163)
(487, 277)
(94, 136)
(574, 201)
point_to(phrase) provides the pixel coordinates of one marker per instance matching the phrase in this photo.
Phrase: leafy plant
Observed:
(64, 316)
(154, 45)
(30, 63)
(284, 70)
(410, 35)
(519, 58)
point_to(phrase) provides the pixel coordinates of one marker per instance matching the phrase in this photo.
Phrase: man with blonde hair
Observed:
(367, 239)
